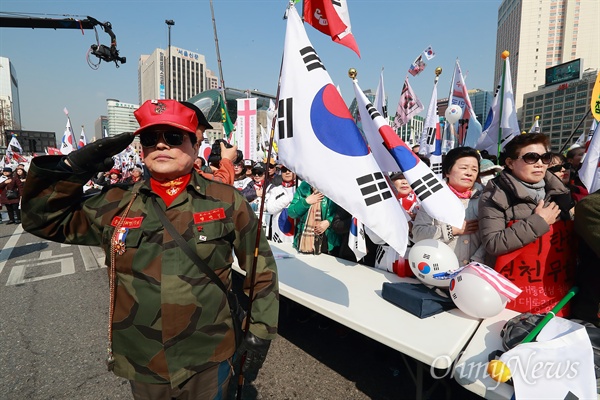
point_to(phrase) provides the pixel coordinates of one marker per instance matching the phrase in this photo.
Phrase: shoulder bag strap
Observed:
(186, 248)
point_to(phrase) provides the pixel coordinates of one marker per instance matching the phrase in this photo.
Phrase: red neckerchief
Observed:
(259, 184)
(461, 195)
(287, 184)
(168, 191)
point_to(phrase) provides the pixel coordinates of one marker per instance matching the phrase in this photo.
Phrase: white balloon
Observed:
(453, 113)
(428, 257)
(474, 296)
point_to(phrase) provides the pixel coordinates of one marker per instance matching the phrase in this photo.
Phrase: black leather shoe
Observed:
(18, 221)
(10, 222)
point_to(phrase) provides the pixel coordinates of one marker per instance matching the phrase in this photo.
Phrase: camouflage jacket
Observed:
(170, 321)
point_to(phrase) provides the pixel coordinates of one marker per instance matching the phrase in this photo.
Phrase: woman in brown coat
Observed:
(11, 183)
(526, 226)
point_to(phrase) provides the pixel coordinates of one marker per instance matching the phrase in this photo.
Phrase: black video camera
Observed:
(215, 153)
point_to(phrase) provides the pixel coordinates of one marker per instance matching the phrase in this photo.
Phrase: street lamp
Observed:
(169, 23)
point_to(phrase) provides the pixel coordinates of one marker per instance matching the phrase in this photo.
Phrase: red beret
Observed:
(166, 112)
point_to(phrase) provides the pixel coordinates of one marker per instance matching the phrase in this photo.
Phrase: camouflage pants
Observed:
(210, 384)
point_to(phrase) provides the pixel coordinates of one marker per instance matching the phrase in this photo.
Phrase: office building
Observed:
(411, 132)
(120, 117)
(544, 33)
(186, 69)
(100, 127)
(212, 80)
(561, 107)
(10, 110)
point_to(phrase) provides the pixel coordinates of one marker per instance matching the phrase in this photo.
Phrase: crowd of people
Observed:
(520, 219)
(527, 215)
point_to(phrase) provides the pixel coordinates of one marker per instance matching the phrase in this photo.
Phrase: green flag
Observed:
(226, 120)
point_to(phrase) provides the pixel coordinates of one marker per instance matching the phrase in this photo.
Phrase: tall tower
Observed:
(10, 110)
(188, 74)
(542, 33)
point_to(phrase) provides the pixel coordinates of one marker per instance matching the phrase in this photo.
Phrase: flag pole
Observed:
(562, 148)
(504, 56)
(240, 385)
(214, 22)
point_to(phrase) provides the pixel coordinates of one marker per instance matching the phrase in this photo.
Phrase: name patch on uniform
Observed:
(212, 215)
(129, 222)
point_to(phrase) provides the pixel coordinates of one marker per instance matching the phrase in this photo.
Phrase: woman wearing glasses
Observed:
(526, 226)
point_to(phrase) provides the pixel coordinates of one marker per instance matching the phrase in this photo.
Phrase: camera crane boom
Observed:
(103, 52)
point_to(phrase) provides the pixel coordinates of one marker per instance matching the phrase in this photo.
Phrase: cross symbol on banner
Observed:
(246, 112)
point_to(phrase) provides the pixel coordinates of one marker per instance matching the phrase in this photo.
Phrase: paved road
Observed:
(53, 316)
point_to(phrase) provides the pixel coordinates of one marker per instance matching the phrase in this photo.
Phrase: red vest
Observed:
(544, 270)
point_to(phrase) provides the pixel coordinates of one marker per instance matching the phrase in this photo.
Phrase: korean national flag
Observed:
(394, 155)
(319, 140)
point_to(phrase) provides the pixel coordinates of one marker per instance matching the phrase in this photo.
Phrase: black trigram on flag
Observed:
(336, 3)
(374, 188)
(431, 135)
(311, 59)
(436, 168)
(372, 111)
(285, 121)
(426, 186)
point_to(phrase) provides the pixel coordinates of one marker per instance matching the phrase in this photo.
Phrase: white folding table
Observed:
(350, 294)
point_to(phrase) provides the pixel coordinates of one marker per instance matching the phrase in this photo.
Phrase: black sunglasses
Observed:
(559, 167)
(171, 137)
(284, 170)
(532, 158)
(258, 173)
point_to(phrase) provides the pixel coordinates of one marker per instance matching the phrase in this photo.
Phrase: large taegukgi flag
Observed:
(319, 141)
(394, 155)
(331, 18)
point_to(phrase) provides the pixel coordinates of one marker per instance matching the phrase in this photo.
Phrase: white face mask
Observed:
(485, 179)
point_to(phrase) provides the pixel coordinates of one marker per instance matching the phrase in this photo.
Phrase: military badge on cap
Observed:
(160, 108)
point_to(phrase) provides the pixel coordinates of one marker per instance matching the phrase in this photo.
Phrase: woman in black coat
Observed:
(11, 184)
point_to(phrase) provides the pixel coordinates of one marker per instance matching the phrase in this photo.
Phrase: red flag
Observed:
(324, 17)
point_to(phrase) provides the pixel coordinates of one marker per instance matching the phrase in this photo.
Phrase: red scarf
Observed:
(287, 184)
(168, 191)
(461, 195)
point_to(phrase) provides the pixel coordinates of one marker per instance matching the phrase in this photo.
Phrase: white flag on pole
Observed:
(431, 128)
(589, 172)
(496, 132)
(380, 103)
(314, 123)
(82, 139)
(67, 140)
(356, 239)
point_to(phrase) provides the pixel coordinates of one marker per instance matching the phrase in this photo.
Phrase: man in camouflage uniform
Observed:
(170, 328)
